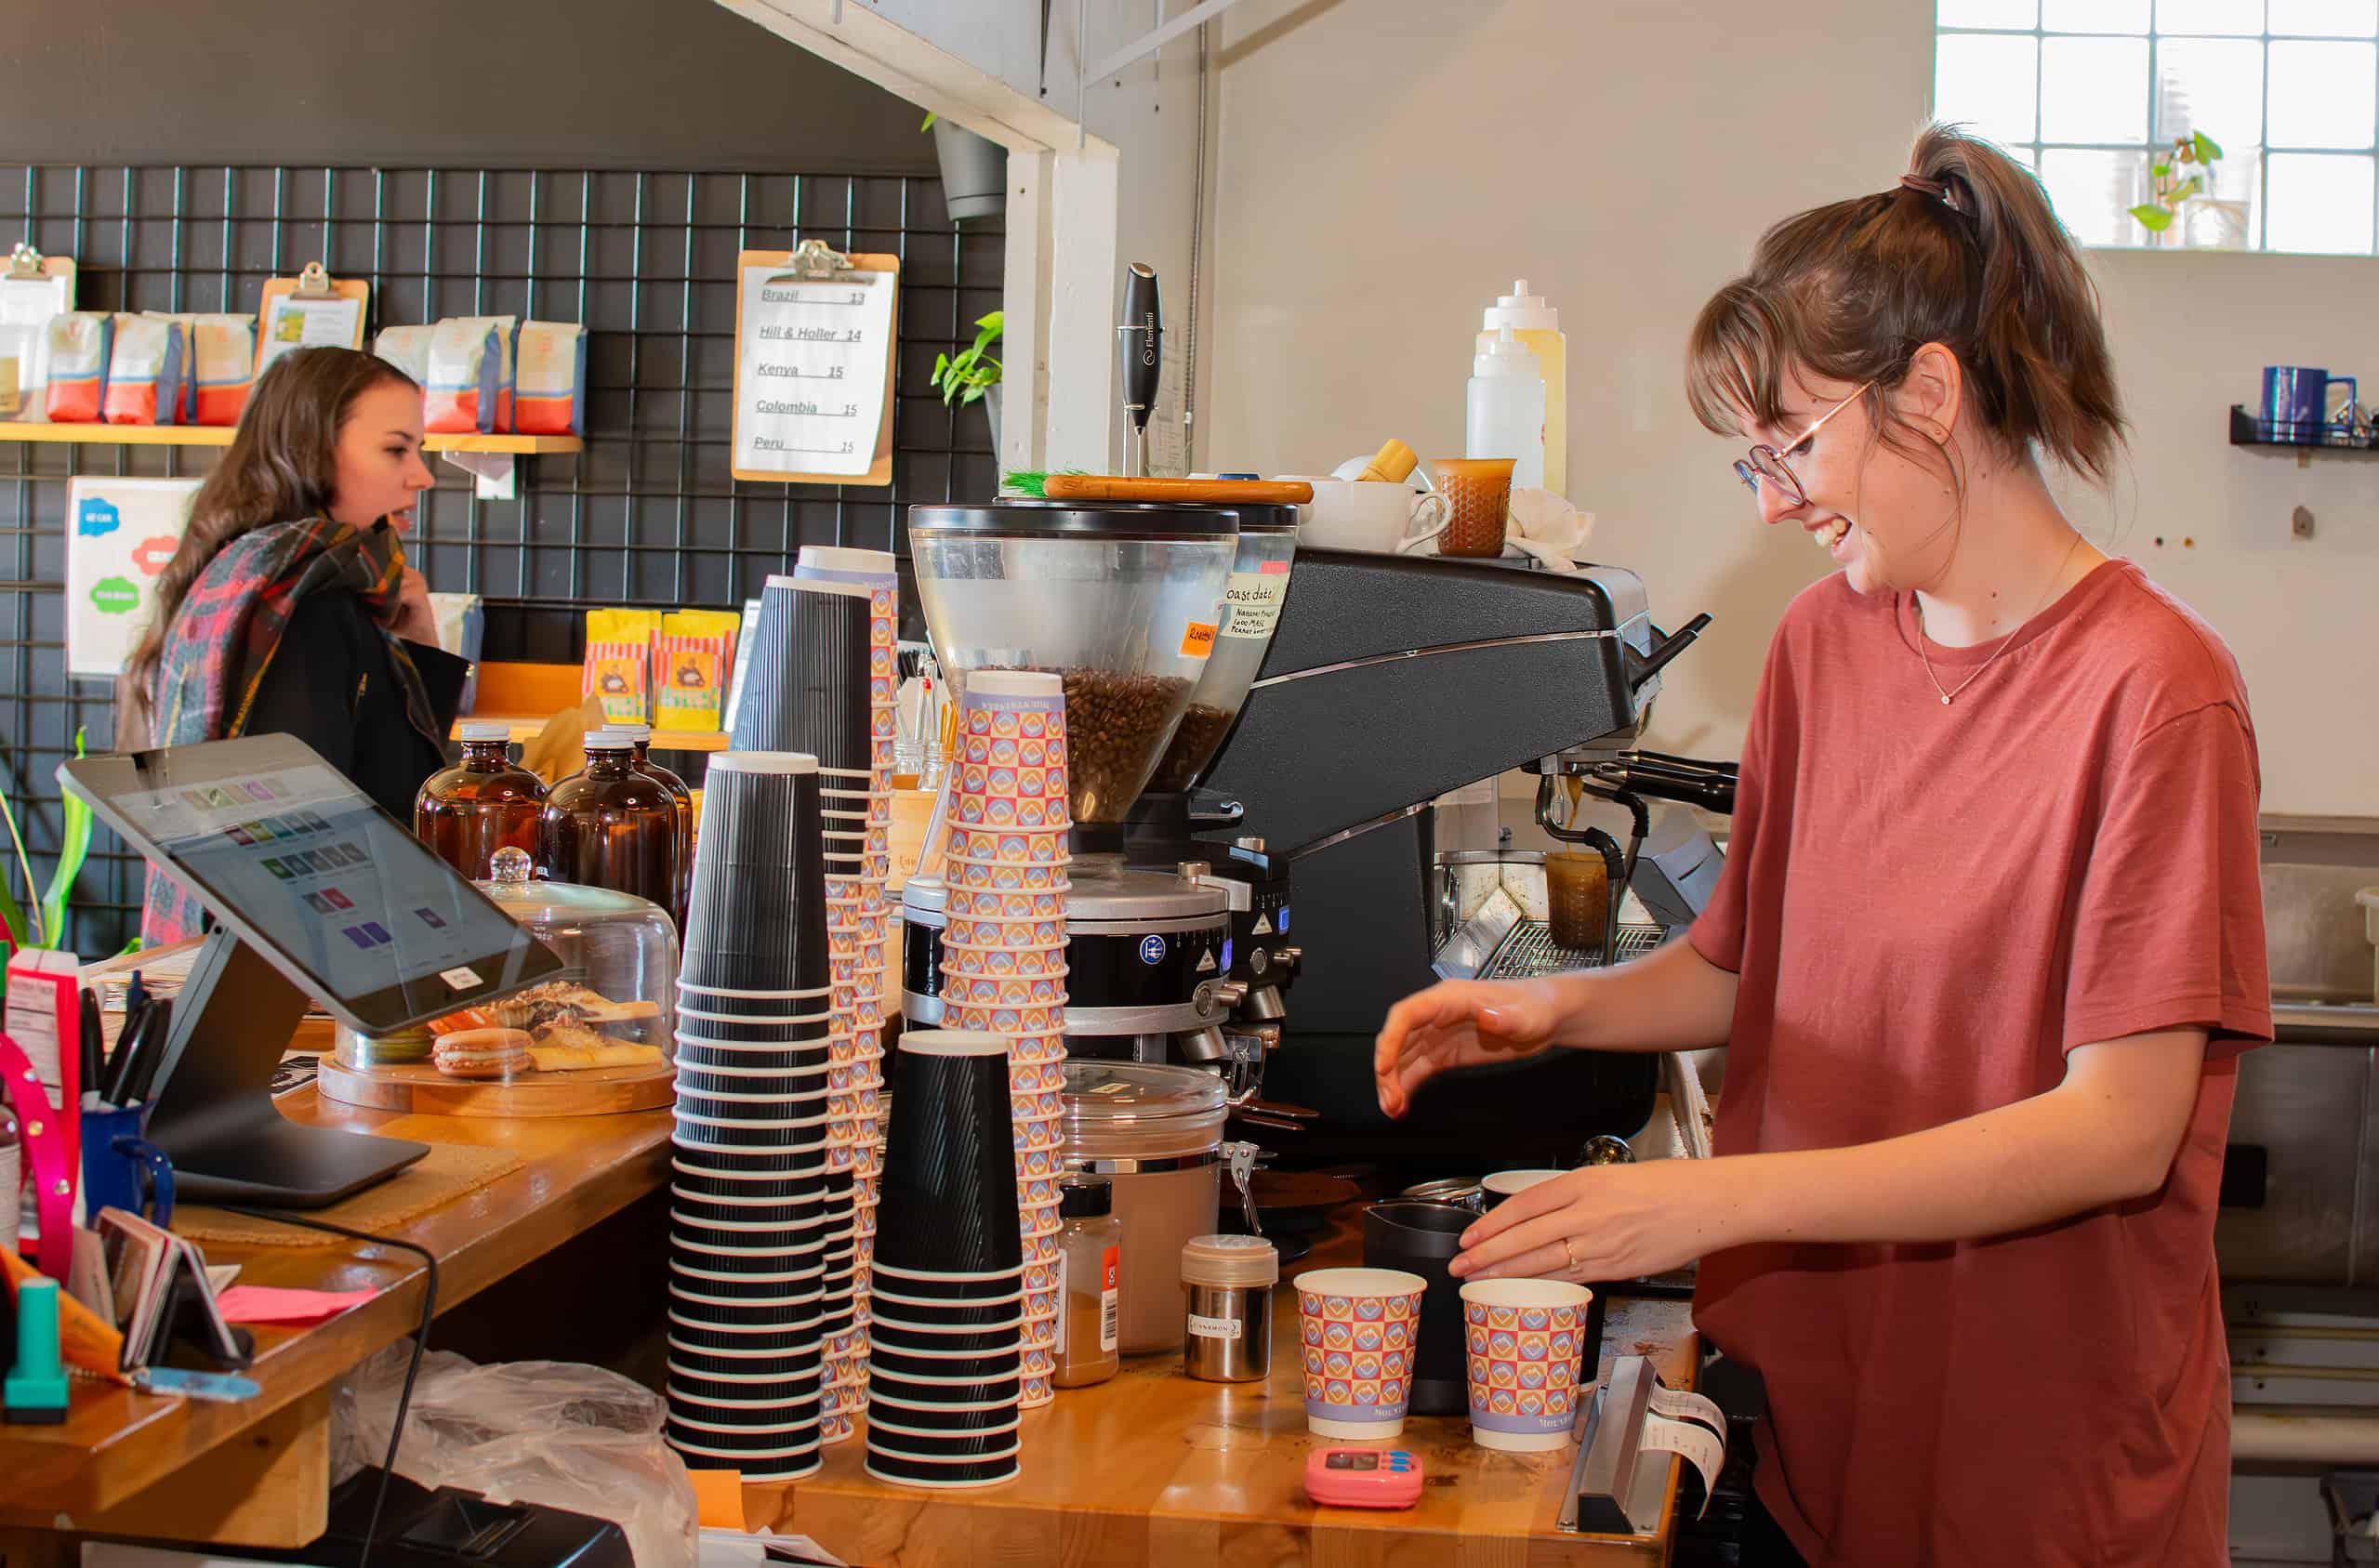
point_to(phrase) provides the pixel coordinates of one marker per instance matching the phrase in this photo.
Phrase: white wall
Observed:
(1385, 168)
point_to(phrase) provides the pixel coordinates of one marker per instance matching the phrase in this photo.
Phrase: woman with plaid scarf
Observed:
(288, 607)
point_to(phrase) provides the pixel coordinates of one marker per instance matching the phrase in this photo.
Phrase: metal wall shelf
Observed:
(220, 435)
(2303, 440)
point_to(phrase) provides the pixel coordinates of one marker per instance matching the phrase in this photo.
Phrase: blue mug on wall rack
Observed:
(2295, 406)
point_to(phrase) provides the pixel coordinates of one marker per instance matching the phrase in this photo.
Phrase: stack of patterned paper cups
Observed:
(945, 1342)
(752, 1226)
(1003, 950)
(807, 688)
(869, 808)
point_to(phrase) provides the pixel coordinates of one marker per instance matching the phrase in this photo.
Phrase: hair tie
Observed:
(1930, 186)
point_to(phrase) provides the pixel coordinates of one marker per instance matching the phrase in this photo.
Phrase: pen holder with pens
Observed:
(123, 1169)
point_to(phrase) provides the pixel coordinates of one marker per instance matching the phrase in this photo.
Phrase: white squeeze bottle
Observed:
(1538, 325)
(1505, 417)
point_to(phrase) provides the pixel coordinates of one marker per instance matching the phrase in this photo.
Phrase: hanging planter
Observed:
(971, 375)
(974, 171)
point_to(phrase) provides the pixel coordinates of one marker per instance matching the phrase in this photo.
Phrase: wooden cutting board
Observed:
(417, 1087)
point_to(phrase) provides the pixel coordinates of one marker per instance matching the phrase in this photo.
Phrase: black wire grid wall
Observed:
(647, 514)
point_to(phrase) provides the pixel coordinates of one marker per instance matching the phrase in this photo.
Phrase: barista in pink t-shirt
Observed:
(1987, 944)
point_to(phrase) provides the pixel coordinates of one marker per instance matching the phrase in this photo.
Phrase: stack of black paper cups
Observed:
(945, 1347)
(808, 689)
(756, 1235)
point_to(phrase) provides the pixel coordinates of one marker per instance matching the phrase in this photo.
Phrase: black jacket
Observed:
(333, 686)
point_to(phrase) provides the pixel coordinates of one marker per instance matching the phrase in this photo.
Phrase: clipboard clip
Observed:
(313, 283)
(26, 264)
(812, 262)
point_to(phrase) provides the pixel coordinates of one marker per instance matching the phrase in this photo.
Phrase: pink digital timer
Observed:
(1363, 1478)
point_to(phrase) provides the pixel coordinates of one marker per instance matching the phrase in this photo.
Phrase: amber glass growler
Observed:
(485, 803)
(641, 739)
(611, 825)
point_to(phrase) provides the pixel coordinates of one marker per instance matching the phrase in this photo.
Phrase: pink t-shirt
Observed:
(1928, 906)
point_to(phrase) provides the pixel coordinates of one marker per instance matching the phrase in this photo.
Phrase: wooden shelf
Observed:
(526, 728)
(220, 435)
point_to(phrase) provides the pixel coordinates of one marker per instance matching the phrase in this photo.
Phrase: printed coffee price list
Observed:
(810, 370)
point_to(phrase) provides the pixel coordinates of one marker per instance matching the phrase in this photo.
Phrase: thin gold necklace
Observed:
(1950, 695)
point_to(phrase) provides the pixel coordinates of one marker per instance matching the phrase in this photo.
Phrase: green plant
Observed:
(964, 376)
(2173, 182)
(929, 118)
(73, 846)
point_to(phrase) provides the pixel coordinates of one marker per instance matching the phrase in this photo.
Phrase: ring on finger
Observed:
(1570, 1252)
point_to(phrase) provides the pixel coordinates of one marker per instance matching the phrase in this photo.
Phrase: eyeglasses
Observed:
(1766, 463)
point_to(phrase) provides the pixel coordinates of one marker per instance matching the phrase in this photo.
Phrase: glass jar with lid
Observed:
(618, 986)
(1156, 1133)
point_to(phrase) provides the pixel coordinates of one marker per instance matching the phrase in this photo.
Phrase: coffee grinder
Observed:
(1121, 601)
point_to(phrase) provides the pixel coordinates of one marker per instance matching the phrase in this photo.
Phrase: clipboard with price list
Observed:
(816, 336)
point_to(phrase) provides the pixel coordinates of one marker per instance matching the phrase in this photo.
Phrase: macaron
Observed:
(482, 1053)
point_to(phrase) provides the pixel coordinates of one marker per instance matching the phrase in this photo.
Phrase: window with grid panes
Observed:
(2092, 92)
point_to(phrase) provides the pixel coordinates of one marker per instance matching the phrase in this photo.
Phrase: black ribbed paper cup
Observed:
(716, 1285)
(805, 684)
(808, 1227)
(948, 1200)
(901, 1471)
(703, 1205)
(692, 1296)
(934, 1390)
(706, 1080)
(986, 1367)
(704, 1027)
(742, 1056)
(766, 1382)
(941, 1341)
(795, 1136)
(758, 1006)
(996, 1285)
(714, 1437)
(756, 917)
(906, 1306)
(955, 1417)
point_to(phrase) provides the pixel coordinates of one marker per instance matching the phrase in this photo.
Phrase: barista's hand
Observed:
(1606, 1222)
(413, 620)
(1459, 1023)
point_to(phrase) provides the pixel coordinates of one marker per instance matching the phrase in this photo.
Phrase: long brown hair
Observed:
(1967, 253)
(282, 466)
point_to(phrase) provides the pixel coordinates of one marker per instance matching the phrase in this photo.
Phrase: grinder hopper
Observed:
(1119, 600)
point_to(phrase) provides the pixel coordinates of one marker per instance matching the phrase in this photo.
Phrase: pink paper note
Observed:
(264, 1303)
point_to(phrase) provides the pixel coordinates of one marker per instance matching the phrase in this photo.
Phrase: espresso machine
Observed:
(1294, 838)
(1390, 682)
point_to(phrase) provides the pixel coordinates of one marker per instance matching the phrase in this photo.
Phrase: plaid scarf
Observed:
(230, 627)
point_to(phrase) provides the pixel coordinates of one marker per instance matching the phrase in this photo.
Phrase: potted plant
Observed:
(974, 171)
(971, 375)
(2182, 210)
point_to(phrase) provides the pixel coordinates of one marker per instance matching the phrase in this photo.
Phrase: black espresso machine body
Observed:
(1391, 680)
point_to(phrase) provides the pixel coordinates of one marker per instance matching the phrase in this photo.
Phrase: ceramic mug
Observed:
(2296, 401)
(1366, 515)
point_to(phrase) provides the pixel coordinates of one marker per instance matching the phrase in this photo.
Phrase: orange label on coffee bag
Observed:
(1197, 640)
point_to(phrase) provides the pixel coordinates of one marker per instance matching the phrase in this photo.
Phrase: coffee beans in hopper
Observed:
(1115, 721)
(1203, 727)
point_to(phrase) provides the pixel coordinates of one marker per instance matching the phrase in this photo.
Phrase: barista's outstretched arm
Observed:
(1670, 1000)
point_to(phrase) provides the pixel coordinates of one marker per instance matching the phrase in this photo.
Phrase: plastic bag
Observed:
(529, 1431)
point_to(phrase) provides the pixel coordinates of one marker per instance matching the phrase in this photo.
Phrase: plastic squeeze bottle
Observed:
(1506, 410)
(1538, 325)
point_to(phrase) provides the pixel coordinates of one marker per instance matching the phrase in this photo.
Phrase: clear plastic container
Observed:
(1258, 585)
(1121, 602)
(618, 988)
(1156, 1133)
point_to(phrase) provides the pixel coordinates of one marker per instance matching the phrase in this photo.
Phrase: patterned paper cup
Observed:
(1523, 1340)
(975, 904)
(1358, 1318)
(1003, 876)
(1002, 962)
(1035, 1078)
(1012, 846)
(1040, 1132)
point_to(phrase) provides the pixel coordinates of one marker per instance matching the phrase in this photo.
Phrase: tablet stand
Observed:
(214, 1115)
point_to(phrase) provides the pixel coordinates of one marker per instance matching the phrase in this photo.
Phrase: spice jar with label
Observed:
(1228, 1281)
(1090, 1318)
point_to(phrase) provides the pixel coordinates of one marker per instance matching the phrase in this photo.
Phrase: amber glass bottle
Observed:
(641, 739)
(485, 803)
(611, 826)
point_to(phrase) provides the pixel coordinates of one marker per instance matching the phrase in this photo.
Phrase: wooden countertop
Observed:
(116, 1444)
(1154, 1468)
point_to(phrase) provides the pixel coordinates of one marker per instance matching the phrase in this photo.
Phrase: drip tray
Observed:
(1528, 952)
